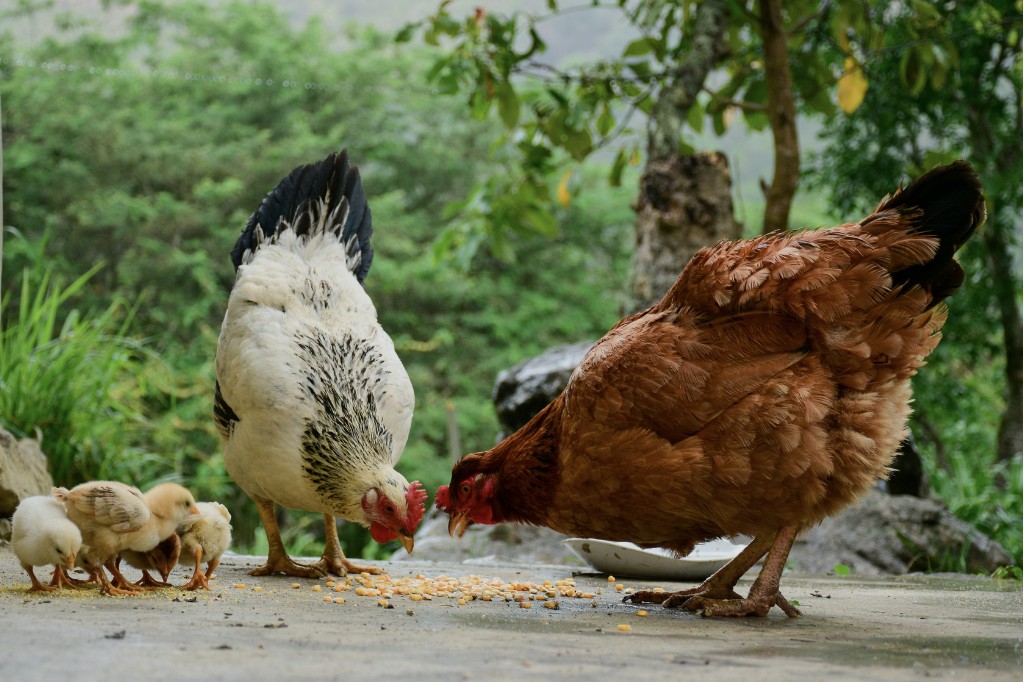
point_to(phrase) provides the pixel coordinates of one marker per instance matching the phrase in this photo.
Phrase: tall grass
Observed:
(59, 373)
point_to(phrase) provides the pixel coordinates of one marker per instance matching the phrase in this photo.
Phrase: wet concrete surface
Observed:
(907, 628)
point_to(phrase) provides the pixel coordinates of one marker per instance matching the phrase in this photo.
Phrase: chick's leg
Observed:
(106, 587)
(36, 585)
(333, 560)
(150, 582)
(718, 586)
(278, 560)
(764, 594)
(62, 579)
(119, 580)
(198, 579)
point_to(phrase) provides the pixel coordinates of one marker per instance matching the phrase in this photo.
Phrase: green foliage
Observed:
(971, 110)
(159, 150)
(67, 379)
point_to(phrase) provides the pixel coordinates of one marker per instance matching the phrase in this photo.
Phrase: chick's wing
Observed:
(118, 507)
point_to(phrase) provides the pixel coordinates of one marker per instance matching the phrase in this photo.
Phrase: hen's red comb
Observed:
(443, 500)
(415, 496)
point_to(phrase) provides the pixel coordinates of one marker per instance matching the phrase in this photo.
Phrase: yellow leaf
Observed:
(563, 188)
(853, 85)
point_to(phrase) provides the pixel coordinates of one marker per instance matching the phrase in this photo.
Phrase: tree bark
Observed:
(781, 115)
(665, 125)
(685, 202)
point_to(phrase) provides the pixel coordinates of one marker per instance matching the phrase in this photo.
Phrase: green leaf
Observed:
(756, 120)
(618, 165)
(638, 48)
(405, 34)
(695, 117)
(605, 120)
(508, 104)
(841, 569)
(479, 104)
(578, 144)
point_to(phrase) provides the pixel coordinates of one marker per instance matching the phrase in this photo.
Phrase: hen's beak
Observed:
(458, 523)
(407, 542)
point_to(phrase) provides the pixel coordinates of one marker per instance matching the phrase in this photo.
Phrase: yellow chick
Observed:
(206, 537)
(114, 517)
(42, 535)
(161, 559)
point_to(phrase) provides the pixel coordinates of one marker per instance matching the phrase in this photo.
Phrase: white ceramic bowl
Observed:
(626, 559)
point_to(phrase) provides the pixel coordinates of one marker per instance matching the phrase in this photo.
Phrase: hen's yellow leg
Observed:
(334, 561)
(278, 560)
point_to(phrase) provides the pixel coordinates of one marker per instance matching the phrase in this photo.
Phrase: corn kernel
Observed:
(622, 627)
(611, 578)
(642, 613)
(257, 589)
(551, 605)
(296, 586)
(240, 586)
(316, 588)
(619, 587)
(328, 600)
(525, 604)
(339, 600)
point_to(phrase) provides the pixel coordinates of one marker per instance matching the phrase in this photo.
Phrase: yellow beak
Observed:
(458, 523)
(407, 542)
(70, 563)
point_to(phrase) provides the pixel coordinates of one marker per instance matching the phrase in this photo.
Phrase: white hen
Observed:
(313, 404)
(42, 535)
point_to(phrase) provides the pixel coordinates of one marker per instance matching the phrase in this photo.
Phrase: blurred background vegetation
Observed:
(138, 137)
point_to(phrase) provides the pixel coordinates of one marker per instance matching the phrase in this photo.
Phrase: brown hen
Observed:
(768, 389)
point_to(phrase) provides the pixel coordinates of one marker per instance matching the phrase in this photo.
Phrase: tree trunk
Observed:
(685, 204)
(782, 116)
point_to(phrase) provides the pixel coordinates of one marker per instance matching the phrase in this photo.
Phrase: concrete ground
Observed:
(905, 628)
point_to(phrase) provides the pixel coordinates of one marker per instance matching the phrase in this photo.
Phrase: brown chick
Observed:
(114, 517)
(161, 559)
(768, 389)
(205, 537)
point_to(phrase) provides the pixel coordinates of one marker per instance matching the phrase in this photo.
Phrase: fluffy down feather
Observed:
(42, 535)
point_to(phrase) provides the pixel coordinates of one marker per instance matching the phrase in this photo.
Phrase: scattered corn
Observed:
(525, 604)
(296, 586)
(642, 613)
(317, 588)
(240, 586)
(257, 589)
(337, 600)
(622, 627)
(328, 600)
(611, 578)
(551, 604)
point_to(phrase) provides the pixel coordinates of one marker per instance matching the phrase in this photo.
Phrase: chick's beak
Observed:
(193, 510)
(458, 523)
(407, 542)
(70, 563)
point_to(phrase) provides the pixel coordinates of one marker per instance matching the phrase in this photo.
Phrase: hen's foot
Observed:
(340, 566)
(675, 599)
(288, 566)
(751, 606)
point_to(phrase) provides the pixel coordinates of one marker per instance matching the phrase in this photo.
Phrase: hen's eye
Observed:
(389, 509)
(464, 489)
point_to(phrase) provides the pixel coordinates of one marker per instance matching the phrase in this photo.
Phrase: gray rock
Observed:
(895, 534)
(24, 471)
(521, 392)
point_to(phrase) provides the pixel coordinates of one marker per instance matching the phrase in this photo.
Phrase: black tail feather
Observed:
(945, 202)
(332, 180)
